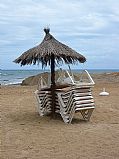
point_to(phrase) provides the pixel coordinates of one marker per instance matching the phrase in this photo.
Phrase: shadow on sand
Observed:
(34, 118)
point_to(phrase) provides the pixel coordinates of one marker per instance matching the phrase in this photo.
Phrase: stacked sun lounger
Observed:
(44, 102)
(76, 100)
(69, 99)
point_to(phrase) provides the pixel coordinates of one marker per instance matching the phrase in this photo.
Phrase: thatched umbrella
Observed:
(50, 52)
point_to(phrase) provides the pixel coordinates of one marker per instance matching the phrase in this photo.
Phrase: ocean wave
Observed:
(11, 83)
(3, 74)
(6, 74)
(20, 78)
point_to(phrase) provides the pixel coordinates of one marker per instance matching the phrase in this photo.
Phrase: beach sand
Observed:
(26, 135)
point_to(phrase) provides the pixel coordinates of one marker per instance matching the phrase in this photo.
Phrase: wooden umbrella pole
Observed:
(53, 84)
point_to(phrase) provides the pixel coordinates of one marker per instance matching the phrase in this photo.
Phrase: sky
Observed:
(91, 27)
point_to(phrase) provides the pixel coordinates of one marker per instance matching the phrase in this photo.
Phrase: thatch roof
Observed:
(42, 53)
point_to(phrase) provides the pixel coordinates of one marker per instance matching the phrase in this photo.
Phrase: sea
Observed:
(14, 77)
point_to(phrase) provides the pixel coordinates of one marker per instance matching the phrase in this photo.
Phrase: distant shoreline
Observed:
(43, 70)
(16, 77)
(109, 77)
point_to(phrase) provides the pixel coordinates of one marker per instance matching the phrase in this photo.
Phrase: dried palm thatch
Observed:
(42, 53)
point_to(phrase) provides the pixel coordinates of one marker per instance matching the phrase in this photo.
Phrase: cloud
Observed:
(89, 26)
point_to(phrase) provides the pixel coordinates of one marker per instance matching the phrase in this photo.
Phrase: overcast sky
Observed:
(90, 27)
